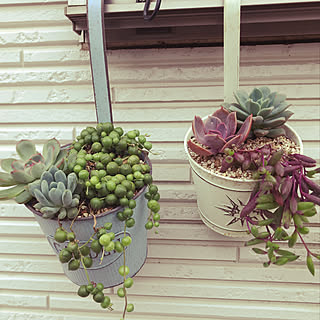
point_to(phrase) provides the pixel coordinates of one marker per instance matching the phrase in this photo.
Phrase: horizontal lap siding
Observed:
(191, 272)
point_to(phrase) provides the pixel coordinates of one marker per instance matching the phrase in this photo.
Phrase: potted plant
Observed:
(251, 177)
(94, 200)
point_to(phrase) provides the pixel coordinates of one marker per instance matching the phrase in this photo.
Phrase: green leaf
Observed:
(285, 252)
(55, 196)
(279, 98)
(49, 212)
(6, 180)
(241, 96)
(62, 214)
(265, 222)
(241, 115)
(310, 264)
(254, 231)
(53, 145)
(265, 112)
(72, 182)
(293, 239)
(274, 123)
(276, 132)
(265, 91)
(11, 192)
(21, 177)
(60, 176)
(36, 170)
(264, 104)
(41, 198)
(267, 205)
(256, 94)
(253, 242)
(67, 198)
(25, 149)
(23, 197)
(252, 107)
(259, 251)
(72, 213)
(281, 261)
(264, 198)
(263, 235)
(6, 164)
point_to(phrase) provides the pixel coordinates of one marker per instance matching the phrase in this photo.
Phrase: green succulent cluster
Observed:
(269, 111)
(19, 173)
(56, 194)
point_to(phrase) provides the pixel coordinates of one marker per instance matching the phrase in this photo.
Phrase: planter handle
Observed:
(98, 60)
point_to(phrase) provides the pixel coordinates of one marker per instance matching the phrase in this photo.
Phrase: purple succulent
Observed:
(218, 132)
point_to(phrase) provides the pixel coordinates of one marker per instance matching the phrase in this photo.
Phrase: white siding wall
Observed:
(191, 272)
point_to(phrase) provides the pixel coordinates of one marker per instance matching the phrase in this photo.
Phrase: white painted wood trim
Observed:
(231, 48)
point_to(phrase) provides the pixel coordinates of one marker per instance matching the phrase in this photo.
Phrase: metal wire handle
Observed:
(155, 11)
(98, 60)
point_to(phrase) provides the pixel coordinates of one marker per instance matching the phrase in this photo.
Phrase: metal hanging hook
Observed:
(98, 60)
(155, 11)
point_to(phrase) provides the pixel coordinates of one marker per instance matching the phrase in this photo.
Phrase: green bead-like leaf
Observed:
(25, 149)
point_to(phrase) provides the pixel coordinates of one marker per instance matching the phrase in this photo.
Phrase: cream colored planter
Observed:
(214, 191)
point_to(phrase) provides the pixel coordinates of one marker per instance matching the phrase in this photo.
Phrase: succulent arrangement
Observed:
(19, 173)
(268, 109)
(285, 195)
(103, 169)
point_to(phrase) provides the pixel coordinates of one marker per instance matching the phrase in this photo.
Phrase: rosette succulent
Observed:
(268, 109)
(218, 132)
(19, 173)
(56, 195)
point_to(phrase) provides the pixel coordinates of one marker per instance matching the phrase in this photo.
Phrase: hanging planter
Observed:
(214, 192)
(104, 269)
(94, 201)
(250, 176)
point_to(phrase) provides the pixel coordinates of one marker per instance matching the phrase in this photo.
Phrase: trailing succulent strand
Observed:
(56, 194)
(19, 173)
(268, 109)
(285, 197)
(218, 132)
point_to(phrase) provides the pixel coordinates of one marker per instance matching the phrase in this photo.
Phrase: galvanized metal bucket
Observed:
(106, 271)
(215, 191)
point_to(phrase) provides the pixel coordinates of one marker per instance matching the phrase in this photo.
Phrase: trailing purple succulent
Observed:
(284, 187)
(218, 132)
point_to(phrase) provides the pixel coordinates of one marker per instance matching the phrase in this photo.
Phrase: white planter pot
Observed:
(107, 271)
(213, 192)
